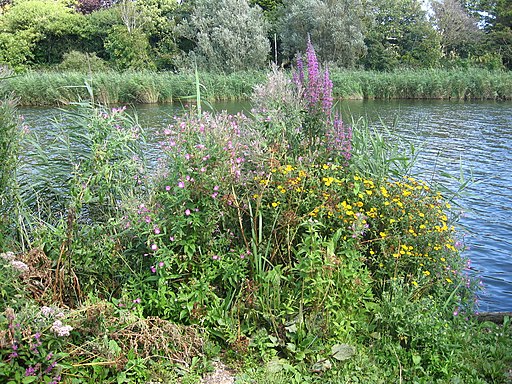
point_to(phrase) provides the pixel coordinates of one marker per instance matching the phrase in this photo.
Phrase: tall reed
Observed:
(60, 88)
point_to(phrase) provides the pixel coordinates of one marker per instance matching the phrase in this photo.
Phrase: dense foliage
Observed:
(231, 35)
(292, 242)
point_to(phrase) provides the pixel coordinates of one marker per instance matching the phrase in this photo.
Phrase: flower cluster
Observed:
(323, 121)
(16, 264)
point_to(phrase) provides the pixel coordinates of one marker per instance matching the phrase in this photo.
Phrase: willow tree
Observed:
(335, 28)
(226, 35)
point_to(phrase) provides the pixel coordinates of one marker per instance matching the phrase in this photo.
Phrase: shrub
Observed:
(82, 62)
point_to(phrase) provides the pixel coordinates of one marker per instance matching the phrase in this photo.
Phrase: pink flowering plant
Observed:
(32, 344)
(187, 232)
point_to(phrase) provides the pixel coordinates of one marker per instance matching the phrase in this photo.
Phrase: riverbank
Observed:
(286, 245)
(61, 88)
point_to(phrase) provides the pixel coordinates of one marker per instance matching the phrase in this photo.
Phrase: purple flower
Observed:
(327, 94)
(30, 371)
(181, 184)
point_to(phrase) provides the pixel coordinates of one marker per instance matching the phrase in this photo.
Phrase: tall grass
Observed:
(58, 88)
(471, 84)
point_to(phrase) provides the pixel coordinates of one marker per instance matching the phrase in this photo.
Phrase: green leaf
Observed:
(342, 352)
(29, 379)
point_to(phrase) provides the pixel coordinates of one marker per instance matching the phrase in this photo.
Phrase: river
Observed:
(469, 139)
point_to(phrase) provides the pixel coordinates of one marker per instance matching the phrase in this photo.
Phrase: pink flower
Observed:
(167, 187)
(156, 230)
(161, 264)
(171, 238)
(187, 156)
(153, 269)
(187, 212)
(181, 184)
(215, 257)
(154, 247)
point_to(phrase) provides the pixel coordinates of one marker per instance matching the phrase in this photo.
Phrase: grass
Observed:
(58, 88)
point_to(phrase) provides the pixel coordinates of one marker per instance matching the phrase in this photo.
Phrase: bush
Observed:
(82, 62)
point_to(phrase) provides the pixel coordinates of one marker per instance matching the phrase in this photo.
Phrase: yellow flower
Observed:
(275, 204)
(415, 283)
(383, 234)
(325, 166)
(448, 280)
(426, 273)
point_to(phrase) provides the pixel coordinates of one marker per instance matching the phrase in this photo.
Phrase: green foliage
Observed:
(44, 30)
(83, 173)
(16, 49)
(10, 141)
(400, 35)
(229, 36)
(460, 35)
(82, 62)
(128, 49)
(34, 346)
(335, 28)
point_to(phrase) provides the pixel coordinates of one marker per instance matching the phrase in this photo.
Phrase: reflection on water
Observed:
(476, 136)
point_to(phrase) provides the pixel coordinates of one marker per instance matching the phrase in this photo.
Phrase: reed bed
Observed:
(60, 88)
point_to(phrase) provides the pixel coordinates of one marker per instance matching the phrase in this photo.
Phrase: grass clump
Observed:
(284, 243)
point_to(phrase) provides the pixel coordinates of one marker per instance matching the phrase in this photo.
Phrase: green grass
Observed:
(59, 88)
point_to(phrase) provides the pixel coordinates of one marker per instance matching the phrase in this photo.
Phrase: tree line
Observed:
(235, 35)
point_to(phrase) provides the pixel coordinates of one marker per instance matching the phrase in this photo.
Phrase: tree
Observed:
(459, 30)
(399, 34)
(38, 30)
(228, 35)
(128, 48)
(334, 26)
(497, 16)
